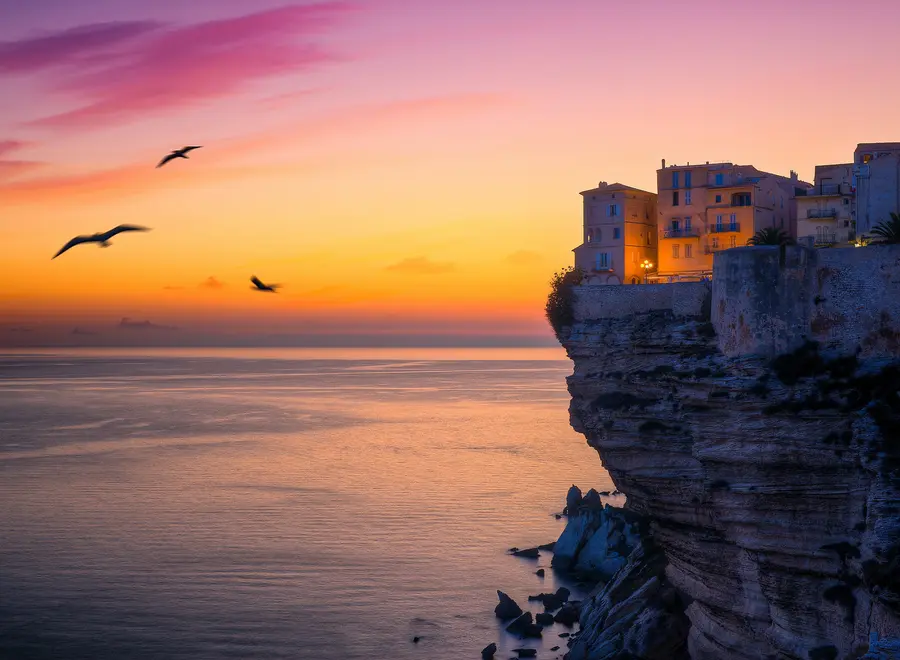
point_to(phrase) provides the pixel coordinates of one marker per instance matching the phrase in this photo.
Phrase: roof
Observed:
(616, 187)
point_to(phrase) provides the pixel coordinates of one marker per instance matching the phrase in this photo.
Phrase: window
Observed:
(687, 197)
(741, 199)
(674, 179)
(734, 241)
(718, 199)
(715, 243)
(634, 280)
(687, 224)
(617, 233)
(676, 224)
(733, 222)
(613, 210)
(590, 235)
(675, 250)
(601, 261)
(720, 179)
(718, 223)
(846, 202)
(674, 198)
(688, 249)
(687, 181)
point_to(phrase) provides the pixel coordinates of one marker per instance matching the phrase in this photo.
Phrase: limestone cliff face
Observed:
(772, 484)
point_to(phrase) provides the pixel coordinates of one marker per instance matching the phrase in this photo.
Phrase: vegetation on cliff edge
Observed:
(560, 308)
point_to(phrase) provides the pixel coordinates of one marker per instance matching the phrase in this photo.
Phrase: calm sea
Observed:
(278, 503)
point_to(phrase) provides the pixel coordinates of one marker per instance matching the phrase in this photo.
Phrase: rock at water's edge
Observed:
(487, 653)
(507, 608)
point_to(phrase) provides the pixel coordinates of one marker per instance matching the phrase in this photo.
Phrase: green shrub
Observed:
(560, 308)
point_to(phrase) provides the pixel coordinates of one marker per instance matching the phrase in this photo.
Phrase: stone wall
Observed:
(766, 301)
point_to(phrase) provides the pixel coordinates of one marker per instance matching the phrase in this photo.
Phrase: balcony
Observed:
(724, 229)
(823, 240)
(821, 213)
(688, 232)
(829, 190)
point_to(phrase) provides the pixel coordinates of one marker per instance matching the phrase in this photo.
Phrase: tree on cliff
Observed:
(560, 308)
(888, 233)
(770, 236)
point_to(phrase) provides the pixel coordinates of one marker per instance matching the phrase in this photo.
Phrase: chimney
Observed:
(602, 184)
(707, 162)
(794, 176)
(664, 163)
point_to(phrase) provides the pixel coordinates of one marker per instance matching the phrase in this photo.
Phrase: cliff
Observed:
(755, 422)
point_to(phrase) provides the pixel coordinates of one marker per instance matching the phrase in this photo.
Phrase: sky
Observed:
(408, 170)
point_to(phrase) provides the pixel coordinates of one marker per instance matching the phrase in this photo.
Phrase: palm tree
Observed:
(888, 233)
(770, 236)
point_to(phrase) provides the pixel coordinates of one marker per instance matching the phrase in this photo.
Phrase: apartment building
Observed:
(876, 170)
(825, 213)
(619, 234)
(702, 209)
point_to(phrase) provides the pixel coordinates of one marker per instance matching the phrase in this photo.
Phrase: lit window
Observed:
(675, 247)
(688, 249)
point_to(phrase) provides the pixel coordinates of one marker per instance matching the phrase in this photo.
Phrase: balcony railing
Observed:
(724, 229)
(821, 213)
(825, 239)
(688, 232)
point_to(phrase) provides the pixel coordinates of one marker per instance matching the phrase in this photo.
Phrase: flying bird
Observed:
(102, 239)
(270, 288)
(178, 153)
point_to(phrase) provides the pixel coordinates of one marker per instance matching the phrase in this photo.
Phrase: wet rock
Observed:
(507, 608)
(564, 634)
(539, 572)
(552, 601)
(548, 546)
(554, 648)
(416, 640)
(573, 499)
(567, 615)
(591, 500)
(544, 619)
(526, 653)
(524, 626)
(528, 553)
(487, 653)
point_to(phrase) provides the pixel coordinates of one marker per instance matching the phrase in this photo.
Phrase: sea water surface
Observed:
(278, 503)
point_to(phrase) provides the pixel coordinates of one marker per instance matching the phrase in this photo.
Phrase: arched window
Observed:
(590, 236)
(634, 280)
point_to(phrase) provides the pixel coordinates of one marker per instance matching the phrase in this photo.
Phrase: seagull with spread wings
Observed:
(178, 153)
(270, 288)
(102, 239)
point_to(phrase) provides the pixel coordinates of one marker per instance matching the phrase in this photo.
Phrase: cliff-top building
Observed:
(825, 213)
(619, 234)
(702, 209)
(876, 169)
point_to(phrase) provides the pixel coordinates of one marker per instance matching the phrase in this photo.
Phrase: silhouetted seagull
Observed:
(264, 287)
(102, 239)
(178, 153)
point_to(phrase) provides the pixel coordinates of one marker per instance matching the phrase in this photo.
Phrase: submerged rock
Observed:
(539, 572)
(544, 619)
(524, 626)
(487, 653)
(567, 615)
(528, 553)
(525, 653)
(507, 608)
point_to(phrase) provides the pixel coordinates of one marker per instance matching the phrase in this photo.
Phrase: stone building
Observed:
(825, 213)
(619, 234)
(876, 168)
(702, 209)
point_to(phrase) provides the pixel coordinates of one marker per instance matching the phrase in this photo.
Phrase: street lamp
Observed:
(646, 265)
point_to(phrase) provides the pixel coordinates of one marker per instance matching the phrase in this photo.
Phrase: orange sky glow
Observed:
(402, 168)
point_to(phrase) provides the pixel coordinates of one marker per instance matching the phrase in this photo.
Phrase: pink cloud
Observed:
(6, 146)
(68, 46)
(421, 266)
(13, 168)
(181, 66)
